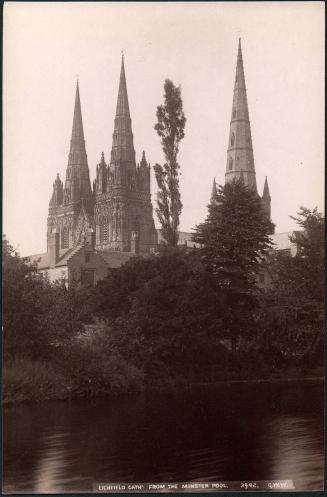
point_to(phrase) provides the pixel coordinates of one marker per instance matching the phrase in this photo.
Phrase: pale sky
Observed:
(46, 45)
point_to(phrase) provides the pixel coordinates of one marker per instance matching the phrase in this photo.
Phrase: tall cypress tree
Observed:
(234, 240)
(170, 128)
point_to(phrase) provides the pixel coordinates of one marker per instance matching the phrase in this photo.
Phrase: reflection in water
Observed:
(226, 432)
(51, 464)
(296, 443)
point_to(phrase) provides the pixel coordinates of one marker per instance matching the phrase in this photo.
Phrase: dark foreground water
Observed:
(245, 431)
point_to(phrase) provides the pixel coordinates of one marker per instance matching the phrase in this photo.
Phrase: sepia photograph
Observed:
(163, 247)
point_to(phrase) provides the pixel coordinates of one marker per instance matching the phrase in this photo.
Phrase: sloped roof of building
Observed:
(115, 259)
(41, 260)
(70, 252)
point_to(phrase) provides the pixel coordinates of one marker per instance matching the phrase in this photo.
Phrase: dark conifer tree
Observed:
(234, 240)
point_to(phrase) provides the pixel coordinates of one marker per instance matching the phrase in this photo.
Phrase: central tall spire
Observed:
(122, 152)
(240, 161)
(122, 101)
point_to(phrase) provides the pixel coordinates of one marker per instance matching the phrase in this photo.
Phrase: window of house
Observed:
(87, 256)
(232, 139)
(230, 164)
(234, 113)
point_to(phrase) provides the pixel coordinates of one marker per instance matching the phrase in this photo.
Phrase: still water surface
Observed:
(244, 431)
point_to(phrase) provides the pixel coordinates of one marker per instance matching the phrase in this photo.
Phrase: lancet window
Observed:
(64, 238)
(104, 230)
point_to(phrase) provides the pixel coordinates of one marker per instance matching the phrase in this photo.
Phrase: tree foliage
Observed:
(170, 128)
(234, 239)
(293, 308)
(22, 309)
(38, 316)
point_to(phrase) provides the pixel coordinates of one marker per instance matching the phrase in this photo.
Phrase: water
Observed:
(245, 431)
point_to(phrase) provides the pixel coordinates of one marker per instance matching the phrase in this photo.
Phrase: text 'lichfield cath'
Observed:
(276, 485)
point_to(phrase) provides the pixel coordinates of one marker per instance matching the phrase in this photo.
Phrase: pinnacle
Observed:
(266, 193)
(214, 193)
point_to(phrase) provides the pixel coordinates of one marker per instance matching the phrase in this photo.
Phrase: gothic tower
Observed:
(240, 160)
(71, 206)
(123, 209)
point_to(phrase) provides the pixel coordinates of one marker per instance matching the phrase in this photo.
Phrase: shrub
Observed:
(27, 380)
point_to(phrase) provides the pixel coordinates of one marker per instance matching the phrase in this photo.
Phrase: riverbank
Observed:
(34, 382)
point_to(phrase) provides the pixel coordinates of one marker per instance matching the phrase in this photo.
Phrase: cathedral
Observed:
(117, 208)
(92, 229)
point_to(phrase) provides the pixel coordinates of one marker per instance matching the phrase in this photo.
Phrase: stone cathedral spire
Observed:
(71, 206)
(123, 209)
(77, 184)
(240, 161)
(122, 153)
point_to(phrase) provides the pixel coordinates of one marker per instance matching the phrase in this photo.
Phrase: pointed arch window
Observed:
(230, 163)
(234, 113)
(104, 230)
(64, 238)
(232, 139)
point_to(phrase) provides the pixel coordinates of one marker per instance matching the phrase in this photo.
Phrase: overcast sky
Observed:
(46, 45)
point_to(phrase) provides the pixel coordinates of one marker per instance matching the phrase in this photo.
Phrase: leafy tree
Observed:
(293, 308)
(170, 128)
(163, 312)
(234, 240)
(38, 316)
(22, 309)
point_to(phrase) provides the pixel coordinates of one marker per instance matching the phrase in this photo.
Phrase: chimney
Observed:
(53, 248)
(135, 242)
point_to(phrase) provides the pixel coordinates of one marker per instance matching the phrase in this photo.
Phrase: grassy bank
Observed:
(32, 381)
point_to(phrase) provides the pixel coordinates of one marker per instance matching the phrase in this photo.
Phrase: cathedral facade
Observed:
(117, 210)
